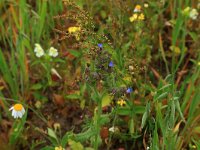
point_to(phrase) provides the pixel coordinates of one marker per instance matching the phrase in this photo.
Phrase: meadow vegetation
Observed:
(103, 74)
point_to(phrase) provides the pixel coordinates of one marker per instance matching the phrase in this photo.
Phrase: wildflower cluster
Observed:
(104, 70)
(81, 23)
(103, 65)
(137, 15)
(39, 52)
(192, 13)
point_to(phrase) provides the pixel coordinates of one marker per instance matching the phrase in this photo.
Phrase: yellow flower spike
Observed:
(141, 16)
(121, 102)
(133, 17)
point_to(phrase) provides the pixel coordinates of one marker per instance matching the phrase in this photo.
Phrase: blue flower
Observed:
(100, 45)
(129, 90)
(111, 64)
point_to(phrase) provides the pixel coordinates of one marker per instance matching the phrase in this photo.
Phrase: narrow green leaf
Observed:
(52, 134)
(162, 96)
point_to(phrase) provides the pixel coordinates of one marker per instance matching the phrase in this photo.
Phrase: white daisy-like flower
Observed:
(193, 14)
(17, 110)
(53, 52)
(137, 9)
(146, 5)
(39, 52)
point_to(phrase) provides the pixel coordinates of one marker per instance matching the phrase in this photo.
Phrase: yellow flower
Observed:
(175, 49)
(121, 102)
(74, 29)
(77, 37)
(194, 146)
(133, 17)
(137, 8)
(141, 16)
(59, 148)
(198, 63)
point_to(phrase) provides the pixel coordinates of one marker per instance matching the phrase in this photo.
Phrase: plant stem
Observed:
(97, 125)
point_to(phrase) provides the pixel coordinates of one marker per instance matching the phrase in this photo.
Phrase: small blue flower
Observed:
(111, 64)
(129, 90)
(100, 45)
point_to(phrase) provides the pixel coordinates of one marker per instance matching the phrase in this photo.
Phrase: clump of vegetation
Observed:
(86, 75)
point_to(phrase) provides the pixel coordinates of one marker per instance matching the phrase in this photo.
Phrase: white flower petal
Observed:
(14, 114)
(53, 52)
(136, 10)
(193, 14)
(23, 111)
(18, 114)
(11, 108)
(38, 50)
(112, 129)
(54, 71)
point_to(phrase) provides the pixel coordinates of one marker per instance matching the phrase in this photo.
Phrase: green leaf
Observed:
(47, 148)
(123, 111)
(84, 135)
(193, 35)
(73, 96)
(139, 109)
(52, 134)
(106, 100)
(145, 115)
(161, 96)
(36, 86)
(75, 145)
(131, 126)
(104, 119)
(165, 87)
(65, 139)
(75, 53)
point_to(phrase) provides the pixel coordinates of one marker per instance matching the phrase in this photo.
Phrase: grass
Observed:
(76, 105)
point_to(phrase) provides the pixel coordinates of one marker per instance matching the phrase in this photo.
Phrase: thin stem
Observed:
(41, 117)
(98, 117)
